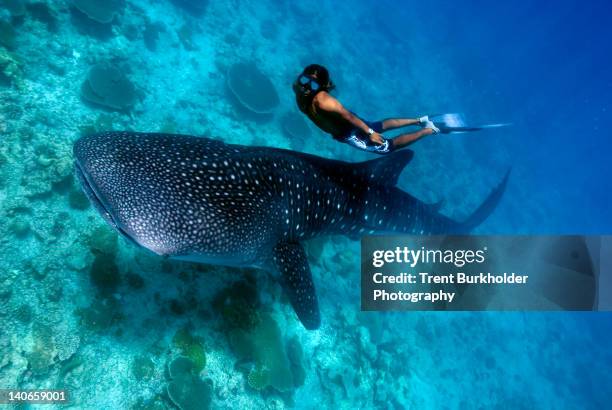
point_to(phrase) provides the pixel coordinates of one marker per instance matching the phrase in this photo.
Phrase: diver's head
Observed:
(314, 78)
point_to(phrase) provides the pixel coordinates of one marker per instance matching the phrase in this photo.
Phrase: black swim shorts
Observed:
(358, 139)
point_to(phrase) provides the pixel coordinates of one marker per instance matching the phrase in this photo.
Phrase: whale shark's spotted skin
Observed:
(203, 200)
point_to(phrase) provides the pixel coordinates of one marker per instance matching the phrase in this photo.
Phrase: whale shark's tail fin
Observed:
(486, 208)
(393, 210)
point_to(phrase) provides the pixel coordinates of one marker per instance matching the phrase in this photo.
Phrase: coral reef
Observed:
(15, 7)
(78, 200)
(185, 388)
(107, 86)
(7, 35)
(45, 13)
(100, 315)
(237, 304)
(101, 11)
(252, 88)
(263, 345)
(143, 368)
(195, 7)
(191, 347)
(104, 273)
(103, 241)
(10, 71)
(151, 34)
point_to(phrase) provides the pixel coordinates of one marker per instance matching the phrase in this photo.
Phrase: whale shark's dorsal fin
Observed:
(385, 170)
(291, 262)
(380, 171)
(436, 206)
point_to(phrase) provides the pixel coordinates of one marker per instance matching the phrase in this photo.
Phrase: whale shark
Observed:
(202, 200)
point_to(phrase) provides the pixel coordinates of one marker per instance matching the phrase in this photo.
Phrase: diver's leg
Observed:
(393, 123)
(404, 140)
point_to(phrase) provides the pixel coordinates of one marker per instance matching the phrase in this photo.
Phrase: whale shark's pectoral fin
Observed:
(292, 264)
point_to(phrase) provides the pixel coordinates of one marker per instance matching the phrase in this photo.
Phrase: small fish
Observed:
(202, 200)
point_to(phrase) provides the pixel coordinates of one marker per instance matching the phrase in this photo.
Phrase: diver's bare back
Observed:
(328, 121)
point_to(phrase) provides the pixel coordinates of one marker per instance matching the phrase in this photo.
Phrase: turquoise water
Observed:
(84, 310)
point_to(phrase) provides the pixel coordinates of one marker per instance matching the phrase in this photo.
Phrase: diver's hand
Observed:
(377, 139)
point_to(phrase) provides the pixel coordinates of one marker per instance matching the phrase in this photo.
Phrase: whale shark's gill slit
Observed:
(127, 236)
(98, 204)
(91, 195)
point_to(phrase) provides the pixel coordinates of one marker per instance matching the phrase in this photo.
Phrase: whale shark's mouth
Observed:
(97, 201)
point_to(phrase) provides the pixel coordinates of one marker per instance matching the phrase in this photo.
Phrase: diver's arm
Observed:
(330, 104)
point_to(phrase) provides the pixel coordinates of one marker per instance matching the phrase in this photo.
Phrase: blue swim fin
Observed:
(455, 123)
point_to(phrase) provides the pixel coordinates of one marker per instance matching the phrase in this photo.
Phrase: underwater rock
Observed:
(186, 390)
(143, 368)
(77, 261)
(104, 273)
(37, 269)
(24, 313)
(40, 358)
(7, 280)
(194, 7)
(252, 88)
(185, 35)
(10, 69)
(68, 366)
(375, 325)
(39, 362)
(179, 306)
(269, 29)
(263, 345)
(44, 13)
(135, 281)
(103, 122)
(103, 240)
(54, 291)
(314, 249)
(78, 200)
(237, 304)
(101, 11)
(107, 86)
(60, 222)
(20, 227)
(369, 349)
(15, 7)
(151, 33)
(100, 315)
(295, 353)
(7, 35)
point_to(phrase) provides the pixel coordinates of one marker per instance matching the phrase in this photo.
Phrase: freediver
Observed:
(312, 89)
